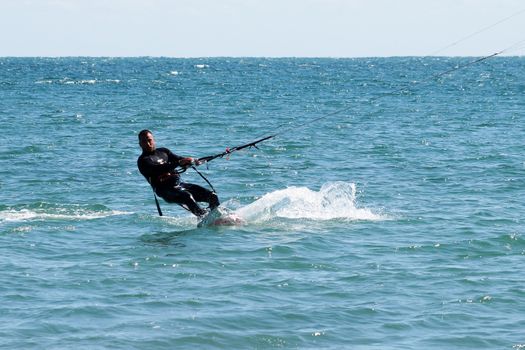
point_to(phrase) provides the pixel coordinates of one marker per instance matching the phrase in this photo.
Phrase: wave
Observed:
(335, 200)
(70, 81)
(42, 211)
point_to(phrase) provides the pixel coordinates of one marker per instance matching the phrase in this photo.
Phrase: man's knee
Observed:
(214, 200)
(178, 197)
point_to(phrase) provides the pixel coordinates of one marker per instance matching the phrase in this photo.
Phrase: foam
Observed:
(335, 200)
(23, 215)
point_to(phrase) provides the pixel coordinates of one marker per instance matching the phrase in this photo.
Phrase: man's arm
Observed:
(177, 160)
(144, 169)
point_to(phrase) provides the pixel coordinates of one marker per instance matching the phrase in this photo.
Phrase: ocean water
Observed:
(388, 213)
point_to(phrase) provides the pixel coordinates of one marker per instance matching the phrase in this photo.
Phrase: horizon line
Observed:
(258, 57)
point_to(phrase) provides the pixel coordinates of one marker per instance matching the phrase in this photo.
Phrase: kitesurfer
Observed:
(158, 167)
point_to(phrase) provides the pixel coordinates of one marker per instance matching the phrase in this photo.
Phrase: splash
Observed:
(47, 211)
(335, 200)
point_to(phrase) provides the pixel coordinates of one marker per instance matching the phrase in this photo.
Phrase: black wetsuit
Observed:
(158, 167)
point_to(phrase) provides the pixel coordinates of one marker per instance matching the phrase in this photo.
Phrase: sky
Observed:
(261, 28)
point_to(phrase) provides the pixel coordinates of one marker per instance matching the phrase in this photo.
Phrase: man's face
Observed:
(147, 143)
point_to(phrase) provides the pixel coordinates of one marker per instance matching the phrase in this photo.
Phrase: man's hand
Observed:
(188, 161)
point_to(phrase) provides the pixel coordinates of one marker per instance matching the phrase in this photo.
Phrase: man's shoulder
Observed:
(163, 150)
(141, 157)
(140, 160)
(155, 152)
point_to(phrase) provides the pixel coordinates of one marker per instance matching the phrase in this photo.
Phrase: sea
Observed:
(386, 213)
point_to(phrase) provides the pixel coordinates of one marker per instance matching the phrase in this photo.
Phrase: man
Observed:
(158, 167)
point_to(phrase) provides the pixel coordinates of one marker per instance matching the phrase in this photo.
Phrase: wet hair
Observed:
(143, 133)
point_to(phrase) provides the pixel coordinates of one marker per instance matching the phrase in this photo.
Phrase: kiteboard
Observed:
(220, 217)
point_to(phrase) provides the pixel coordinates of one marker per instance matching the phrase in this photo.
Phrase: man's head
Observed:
(146, 141)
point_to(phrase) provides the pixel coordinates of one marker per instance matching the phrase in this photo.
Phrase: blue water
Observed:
(387, 214)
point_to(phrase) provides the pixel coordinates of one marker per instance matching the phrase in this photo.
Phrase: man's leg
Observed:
(201, 194)
(182, 197)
